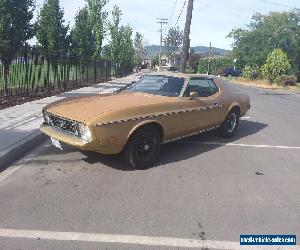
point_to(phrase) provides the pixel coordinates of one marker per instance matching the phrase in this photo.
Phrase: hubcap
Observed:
(146, 148)
(231, 122)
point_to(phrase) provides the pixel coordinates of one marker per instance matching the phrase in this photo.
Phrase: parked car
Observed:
(158, 109)
(173, 69)
(231, 72)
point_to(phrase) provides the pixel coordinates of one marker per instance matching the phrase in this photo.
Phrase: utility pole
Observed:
(209, 59)
(186, 37)
(161, 21)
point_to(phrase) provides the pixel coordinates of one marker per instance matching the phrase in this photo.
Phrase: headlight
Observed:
(85, 132)
(46, 118)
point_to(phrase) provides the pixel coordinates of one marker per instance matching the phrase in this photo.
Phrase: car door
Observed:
(204, 111)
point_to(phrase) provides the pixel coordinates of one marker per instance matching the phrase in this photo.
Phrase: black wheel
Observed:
(142, 149)
(229, 126)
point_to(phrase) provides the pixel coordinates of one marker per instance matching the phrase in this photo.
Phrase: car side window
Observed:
(203, 86)
(173, 85)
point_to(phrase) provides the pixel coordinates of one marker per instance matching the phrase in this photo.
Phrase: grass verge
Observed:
(264, 84)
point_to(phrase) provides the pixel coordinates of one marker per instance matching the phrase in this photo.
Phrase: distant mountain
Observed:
(215, 51)
(153, 50)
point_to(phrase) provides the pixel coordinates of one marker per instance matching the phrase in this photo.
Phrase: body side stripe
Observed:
(158, 115)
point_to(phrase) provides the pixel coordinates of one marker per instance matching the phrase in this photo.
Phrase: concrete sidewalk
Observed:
(19, 125)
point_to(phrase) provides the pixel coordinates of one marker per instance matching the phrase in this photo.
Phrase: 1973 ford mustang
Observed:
(159, 108)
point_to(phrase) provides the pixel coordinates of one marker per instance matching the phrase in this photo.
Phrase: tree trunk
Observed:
(298, 73)
(5, 68)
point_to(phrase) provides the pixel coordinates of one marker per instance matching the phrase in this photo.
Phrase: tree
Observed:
(15, 29)
(266, 32)
(155, 60)
(97, 18)
(51, 32)
(115, 34)
(82, 37)
(106, 52)
(138, 48)
(193, 60)
(173, 42)
(127, 49)
(277, 65)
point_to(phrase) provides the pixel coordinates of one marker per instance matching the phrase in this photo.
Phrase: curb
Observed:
(20, 148)
(125, 87)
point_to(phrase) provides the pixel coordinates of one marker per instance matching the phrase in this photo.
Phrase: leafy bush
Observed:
(286, 80)
(217, 64)
(190, 70)
(277, 65)
(155, 60)
(251, 72)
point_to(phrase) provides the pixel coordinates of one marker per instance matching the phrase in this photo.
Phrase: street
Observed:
(203, 188)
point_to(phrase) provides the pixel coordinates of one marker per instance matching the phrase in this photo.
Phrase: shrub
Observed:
(217, 64)
(190, 70)
(277, 64)
(155, 60)
(286, 80)
(251, 72)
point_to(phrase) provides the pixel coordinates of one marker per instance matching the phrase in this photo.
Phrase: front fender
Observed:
(141, 124)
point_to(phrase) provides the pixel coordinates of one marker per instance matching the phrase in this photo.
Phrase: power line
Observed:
(172, 13)
(279, 4)
(180, 12)
(171, 16)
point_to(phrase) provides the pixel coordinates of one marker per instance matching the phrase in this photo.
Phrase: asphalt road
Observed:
(202, 188)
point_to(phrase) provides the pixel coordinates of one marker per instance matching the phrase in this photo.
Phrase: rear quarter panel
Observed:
(233, 97)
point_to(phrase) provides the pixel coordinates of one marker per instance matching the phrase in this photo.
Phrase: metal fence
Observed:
(30, 74)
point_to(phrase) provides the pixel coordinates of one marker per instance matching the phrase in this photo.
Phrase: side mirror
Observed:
(193, 95)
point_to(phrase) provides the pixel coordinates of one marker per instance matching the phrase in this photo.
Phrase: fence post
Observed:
(95, 70)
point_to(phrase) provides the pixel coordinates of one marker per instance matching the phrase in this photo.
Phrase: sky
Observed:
(212, 19)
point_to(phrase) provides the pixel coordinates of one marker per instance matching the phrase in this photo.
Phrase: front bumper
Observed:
(78, 142)
(65, 138)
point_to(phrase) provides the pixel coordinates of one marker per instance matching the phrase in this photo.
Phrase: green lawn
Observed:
(260, 83)
(21, 75)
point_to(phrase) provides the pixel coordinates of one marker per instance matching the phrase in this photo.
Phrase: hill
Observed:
(215, 51)
(153, 50)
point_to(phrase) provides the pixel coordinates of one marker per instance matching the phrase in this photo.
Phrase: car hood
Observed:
(86, 109)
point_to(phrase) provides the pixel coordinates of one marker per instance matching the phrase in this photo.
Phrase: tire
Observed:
(143, 147)
(230, 125)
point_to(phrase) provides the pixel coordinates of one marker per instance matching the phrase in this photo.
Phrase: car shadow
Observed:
(169, 152)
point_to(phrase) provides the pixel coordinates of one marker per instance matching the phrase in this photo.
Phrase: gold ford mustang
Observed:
(159, 108)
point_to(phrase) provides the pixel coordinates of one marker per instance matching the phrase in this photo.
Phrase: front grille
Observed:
(62, 124)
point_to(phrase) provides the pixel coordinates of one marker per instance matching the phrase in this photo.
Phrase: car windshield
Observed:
(159, 85)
